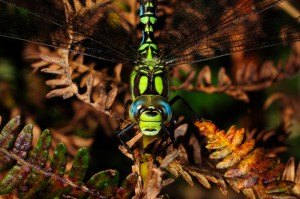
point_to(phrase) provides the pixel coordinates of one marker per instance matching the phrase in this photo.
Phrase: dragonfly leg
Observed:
(120, 133)
(128, 103)
(177, 98)
(164, 138)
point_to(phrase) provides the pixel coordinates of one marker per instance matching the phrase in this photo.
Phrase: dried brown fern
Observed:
(94, 81)
(177, 162)
(248, 76)
(71, 72)
(275, 131)
(292, 173)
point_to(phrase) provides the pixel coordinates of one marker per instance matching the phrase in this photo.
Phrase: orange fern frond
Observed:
(246, 168)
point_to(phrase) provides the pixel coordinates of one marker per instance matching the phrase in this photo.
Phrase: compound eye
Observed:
(161, 104)
(138, 106)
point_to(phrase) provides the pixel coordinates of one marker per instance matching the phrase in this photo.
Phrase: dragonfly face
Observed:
(150, 112)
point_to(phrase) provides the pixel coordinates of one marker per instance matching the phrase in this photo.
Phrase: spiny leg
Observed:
(128, 103)
(193, 117)
(122, 132)
(170, 133)
(164, 138)
(177, 98)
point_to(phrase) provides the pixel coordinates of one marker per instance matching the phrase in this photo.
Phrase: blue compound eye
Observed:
(161, 104)
(138, 106)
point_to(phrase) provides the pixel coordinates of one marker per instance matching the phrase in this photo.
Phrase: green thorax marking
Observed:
(149, 77)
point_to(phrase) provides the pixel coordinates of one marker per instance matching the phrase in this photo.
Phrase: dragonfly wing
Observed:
(83, 29)
(207, 29)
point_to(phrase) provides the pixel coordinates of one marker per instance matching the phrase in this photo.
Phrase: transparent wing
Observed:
(205, 29)
(92, 27)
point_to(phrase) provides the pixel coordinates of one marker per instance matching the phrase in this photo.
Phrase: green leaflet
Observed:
(7, 139)
(33, 179)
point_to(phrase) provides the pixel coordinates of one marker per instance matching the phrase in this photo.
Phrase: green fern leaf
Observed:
(106, 182)
(33, 179)
(7, 139)
(54, 187)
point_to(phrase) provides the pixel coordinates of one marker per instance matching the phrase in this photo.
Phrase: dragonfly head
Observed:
(150, 112)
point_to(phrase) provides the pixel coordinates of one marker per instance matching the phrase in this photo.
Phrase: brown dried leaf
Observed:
(266, 163)
(222, 186)
(230, 133)
(58, 82)
(204, 77)
(221, 153)
(117, 72)
(279, 186)
(125, 152)
(279, 196)
(54, 71)
(237, 138)
(155, 184)
(268, 71)
(248, 182)
(252, 158)
(169, 158)
(100, 101)
(273, 173)
(289, 171)
(183, 156)
(218, 142)
(132, 141)
(180, 130)
(237, 155)
(111, 96)
(175, 168)
(60, 61)
(66, 92)
(201, 178)
(196, 149)
(238, 93)
(187, 84)
(249, 193)
(223, 79)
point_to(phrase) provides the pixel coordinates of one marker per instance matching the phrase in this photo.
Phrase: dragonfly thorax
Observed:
(150, 78)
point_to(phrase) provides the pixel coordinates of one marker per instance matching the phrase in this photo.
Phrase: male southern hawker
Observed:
(196, 31)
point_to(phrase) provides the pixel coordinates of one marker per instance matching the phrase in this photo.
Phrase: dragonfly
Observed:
(198, 30)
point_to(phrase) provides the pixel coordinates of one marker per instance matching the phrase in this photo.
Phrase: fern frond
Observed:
(292, 172)
(246, 168)
(25, 170)
(180, 162)
(68, 68)
(248, 77)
